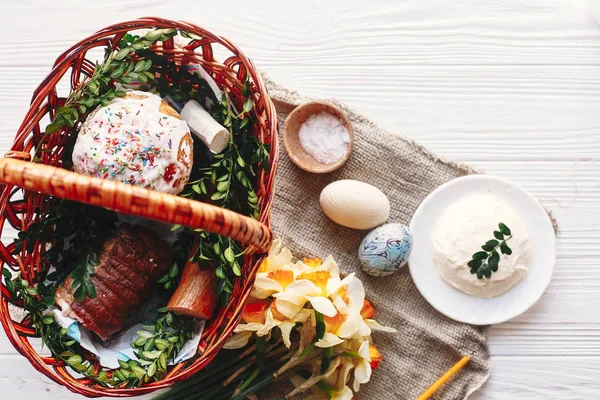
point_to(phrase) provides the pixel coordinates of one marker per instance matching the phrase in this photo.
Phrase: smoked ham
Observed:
(195, 296)
(129, 264)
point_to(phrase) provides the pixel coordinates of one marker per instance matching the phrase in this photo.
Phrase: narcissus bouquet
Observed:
(304, 323)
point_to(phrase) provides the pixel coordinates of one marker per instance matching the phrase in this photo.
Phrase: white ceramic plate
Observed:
(456, 304)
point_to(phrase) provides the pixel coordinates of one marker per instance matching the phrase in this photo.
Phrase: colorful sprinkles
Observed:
(133, 146)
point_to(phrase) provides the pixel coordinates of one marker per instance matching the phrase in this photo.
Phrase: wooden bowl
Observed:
(291, 141)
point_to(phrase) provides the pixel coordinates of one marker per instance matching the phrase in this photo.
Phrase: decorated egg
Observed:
(355, 204)
(385, 249)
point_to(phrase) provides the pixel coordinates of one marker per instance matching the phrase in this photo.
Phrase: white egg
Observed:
(355, 204)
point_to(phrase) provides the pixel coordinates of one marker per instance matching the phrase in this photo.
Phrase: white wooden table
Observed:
(510, 86)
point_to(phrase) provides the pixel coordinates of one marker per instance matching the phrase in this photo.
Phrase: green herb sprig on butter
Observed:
(485, 262)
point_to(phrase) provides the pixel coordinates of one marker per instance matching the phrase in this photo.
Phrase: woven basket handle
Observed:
(127, 199)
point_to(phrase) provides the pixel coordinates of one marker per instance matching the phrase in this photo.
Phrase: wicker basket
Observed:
(27, 184)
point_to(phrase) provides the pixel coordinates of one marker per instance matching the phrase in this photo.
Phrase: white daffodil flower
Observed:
(362, 370)
(338, 381)
(278, 258)
(308, 265)
(314, 282)
(287, 295)
(348, 322)
(344, 394)
(268, 283)
(315, 287)
(254, 316)
(375, 326)
(276, 272)
(285, 325)
(238, 340)
(333, 392)
(243, 332)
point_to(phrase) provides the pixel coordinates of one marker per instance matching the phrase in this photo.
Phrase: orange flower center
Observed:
(375, 356)
(312, 262)
(343, 294)
(264, 265)
(255, 312)
(284, 278)
(319, 278)
(333, 323)
(367, 310)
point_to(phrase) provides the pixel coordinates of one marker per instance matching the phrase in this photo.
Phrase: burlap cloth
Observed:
(427, 343)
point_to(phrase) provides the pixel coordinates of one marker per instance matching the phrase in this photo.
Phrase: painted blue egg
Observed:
(385, 249)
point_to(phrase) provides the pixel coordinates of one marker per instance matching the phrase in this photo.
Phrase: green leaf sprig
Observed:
(485, 262)
(36, 300)
(71, 249)
(227, 180)
(82, 284)
(231, 173)
(118, 67)
(155, 345)
(74, 233)
(181, 250)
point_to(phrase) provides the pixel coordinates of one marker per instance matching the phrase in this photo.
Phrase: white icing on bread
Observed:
(136, 139)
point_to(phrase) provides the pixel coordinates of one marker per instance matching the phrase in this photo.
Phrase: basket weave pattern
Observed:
(18, 206)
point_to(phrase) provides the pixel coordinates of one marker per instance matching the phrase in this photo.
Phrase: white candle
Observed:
(203, 125)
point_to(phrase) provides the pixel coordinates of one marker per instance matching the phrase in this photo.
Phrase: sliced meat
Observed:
(96, 317)
(108, 299)
(118, 283)
(129, 264)
(137, 281)
(90, 312)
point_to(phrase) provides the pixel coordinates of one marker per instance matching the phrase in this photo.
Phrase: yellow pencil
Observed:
(444, 378)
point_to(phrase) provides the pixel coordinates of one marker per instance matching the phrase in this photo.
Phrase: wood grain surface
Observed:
(509, 86)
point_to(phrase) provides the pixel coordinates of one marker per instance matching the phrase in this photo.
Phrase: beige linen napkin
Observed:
(427, 343)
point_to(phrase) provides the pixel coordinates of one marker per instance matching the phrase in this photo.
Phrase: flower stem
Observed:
(295, 359)
(253, 389)
(326, 359)
(210, 376)
(199, 385)
(248, 381)
(250, 363)
(242, 393)
(216, 386)
(260, 351)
